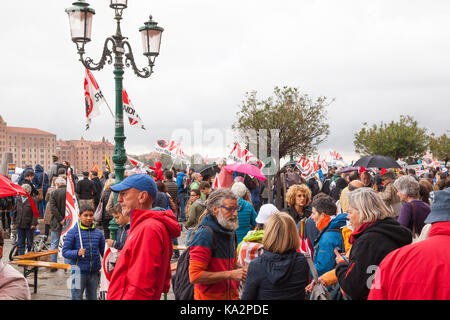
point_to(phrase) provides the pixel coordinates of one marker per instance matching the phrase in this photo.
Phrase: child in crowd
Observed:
(124, 227)
(84, 255)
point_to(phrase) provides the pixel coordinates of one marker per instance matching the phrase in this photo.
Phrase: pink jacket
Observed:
(13, 285)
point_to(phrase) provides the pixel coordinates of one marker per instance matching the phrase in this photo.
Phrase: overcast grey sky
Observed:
(378, 59)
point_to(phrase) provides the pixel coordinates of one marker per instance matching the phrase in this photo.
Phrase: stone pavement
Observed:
(56, 285)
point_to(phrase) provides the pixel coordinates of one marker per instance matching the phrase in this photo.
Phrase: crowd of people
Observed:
(360, 232)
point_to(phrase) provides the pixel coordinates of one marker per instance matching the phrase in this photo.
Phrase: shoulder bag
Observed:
(319, 292)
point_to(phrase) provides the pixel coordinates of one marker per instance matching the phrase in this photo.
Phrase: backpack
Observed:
(185, 182)
(181, 284)
(60, 166)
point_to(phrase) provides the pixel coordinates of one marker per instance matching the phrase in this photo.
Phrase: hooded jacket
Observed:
(39, 174)
(207, 254)
(158, 171)
(328, 239)
(142, 271)
(94, 243)
(180, 177)
(273, 276)
(419, 271)
(247, 218)
(371, 245)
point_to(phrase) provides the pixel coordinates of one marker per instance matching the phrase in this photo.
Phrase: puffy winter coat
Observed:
(207, 254)
(328, 239)
(273, 276)
(247, 218)
(371, 245)
(94, 243)
(142, 271)
(23, 216)
(420, 271)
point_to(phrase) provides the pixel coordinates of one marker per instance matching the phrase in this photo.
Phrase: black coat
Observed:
(85, 189)
(369, 249)
(23, 216)
(273, 276)
(294, 214)
(57, 203)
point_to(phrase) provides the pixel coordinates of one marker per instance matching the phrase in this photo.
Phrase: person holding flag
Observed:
(83, 246)
(57, 203)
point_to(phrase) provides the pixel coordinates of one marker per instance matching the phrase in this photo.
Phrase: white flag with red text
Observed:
(93, 98)
(130, 111)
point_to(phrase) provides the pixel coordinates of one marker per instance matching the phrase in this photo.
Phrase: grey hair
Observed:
(26, 187)
(60, 181)
(408, 186)
(369, 205)
(215, 199)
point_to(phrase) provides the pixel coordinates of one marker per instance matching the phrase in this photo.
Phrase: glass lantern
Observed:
(119, 4)
(151, 38)
(80, 19)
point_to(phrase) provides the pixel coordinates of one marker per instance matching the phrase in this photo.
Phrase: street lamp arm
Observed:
(106, 56)
(129, 62)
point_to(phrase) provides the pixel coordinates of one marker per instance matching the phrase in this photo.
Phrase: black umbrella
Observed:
(376, 161)
(290, 164)
(210, 169)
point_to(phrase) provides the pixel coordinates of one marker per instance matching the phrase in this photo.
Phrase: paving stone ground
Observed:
(56, 285)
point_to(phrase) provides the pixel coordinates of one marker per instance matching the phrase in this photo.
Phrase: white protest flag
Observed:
(72, 211)
(93, 98)
(130, 111)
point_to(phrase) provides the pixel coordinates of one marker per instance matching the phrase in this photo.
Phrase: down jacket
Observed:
(94, 243)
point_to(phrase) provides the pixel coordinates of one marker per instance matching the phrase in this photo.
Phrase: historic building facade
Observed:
(29, 146)
(83, 155)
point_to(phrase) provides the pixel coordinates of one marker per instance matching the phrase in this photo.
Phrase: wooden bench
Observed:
(32, 266)
(179, 247)
(35, 255)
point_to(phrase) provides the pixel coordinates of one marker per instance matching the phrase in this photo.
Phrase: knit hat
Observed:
(239, 189)
(440, 206)
(265, 212)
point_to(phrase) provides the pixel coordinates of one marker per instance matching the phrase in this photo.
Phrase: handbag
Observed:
(99, 211)
(319, 292)
(40, 195)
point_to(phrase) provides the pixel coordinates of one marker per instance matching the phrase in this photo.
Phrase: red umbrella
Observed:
(247, 169)
(8, 188)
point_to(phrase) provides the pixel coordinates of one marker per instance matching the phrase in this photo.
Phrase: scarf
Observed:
(358, 231)
(324, 222)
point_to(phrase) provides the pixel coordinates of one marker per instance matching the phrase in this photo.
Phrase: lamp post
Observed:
(116, 48)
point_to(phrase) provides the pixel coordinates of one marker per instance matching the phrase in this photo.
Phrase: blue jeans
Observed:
(54, 244)
(23, 234)
(183, 199)
(41, 207)
(84, 283)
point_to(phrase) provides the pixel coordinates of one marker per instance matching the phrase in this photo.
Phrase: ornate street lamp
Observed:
(116, 48)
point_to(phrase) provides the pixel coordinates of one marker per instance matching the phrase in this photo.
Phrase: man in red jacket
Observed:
(419, 271)
(142, 271)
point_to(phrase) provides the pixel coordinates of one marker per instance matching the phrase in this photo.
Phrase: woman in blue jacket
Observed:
(85, 255)
(246, 212)
(330, 235)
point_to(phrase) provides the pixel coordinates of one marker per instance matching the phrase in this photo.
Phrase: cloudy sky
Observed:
(377, 59)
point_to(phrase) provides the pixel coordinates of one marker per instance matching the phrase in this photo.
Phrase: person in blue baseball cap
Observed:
(142, 271)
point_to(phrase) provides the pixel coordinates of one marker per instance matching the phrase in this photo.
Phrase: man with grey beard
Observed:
(213, 266)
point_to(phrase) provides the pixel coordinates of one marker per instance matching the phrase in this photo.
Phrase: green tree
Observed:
(440, 147)
(300, 119)
(402, 139)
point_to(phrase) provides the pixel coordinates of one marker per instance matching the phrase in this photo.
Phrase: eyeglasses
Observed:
(239, 208)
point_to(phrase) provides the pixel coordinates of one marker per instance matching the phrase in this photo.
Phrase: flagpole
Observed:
(79, 234)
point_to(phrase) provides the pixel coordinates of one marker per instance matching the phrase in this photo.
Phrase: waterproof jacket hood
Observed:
(278, 267)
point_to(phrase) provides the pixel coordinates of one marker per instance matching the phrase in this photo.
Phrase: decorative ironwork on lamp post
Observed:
(118, 50)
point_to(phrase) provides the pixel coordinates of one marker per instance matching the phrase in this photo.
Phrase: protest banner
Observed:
(72, 210)
(242, 155)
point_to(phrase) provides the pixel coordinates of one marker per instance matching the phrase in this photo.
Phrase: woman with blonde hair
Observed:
(376, 233)
(280, 273)
(298, 198)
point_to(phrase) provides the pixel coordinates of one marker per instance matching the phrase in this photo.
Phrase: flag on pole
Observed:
(130, 111)
(107, 164)
(72, 211)
(93, 98)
